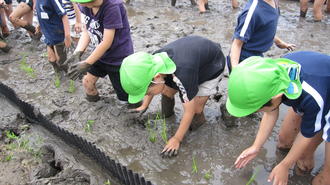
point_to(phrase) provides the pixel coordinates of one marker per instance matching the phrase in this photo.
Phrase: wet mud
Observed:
(214, 146)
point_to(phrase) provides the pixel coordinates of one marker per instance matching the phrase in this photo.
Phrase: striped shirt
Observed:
(314, 102)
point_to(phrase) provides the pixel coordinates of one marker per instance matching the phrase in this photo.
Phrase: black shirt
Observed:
(197, 60)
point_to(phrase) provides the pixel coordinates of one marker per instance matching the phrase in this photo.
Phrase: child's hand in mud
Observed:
(246, 156)
(172, 147)
(138, 112)
(78, 69)
(279, 175)
(284, 45)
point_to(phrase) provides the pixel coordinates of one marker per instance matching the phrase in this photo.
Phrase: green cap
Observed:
(138, 70)
(81, 1)
(257, 80)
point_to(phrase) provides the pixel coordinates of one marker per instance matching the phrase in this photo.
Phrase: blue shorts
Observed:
(28, 2)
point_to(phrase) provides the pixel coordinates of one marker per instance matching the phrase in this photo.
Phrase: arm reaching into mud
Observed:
(235, 52)
(279, 174)
(173, 144)
(283, 45)
(143, 108)
(266, 126)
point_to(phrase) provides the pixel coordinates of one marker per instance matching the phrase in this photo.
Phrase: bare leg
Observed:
(4, 27)
(52, 58)
(306, 162)
(328, 6)
(89, 82)
(16, 17)
(323, 178)
(317, 9)
(201, 6)
(199, 118)
(289, 130)
(303, 8)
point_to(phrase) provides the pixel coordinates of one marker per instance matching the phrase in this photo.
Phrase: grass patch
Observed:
(194, 165)
(252, 177)
(89, 125)
(72, 88)
(9, 157)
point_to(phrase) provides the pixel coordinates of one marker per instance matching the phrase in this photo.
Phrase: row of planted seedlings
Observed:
(29, 71)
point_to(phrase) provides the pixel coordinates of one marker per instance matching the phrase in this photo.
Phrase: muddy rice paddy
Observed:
(37, 157)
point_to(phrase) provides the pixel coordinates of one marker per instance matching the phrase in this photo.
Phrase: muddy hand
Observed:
(171, 149)
(78, 69)
(246, 156)
(279, 175)
(137, 112)
(75, 58)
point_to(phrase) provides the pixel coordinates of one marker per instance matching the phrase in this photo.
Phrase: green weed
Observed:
(88, 126)
(252, 177)
(72, 88)
(11, 135)
(194, 166)
(208, 175)
(57, 81)
(11, 146)
(24, 144)
(26, 68)
(107, 182)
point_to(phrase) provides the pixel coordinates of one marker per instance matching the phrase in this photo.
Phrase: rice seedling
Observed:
(26, 68)
(194, 166)
(151, 131)
(57, 81)
(88, 126)
(11, 135)
(72, 88)
(11, 146)
(164, 131)
(8, 157)
(24, 144)
(208, 175)
(252, 177)
(107, 182)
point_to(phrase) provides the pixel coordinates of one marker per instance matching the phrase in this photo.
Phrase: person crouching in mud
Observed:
(300, 80)
(192, 66)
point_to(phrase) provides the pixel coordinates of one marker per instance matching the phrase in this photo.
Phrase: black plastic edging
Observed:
(115, 169)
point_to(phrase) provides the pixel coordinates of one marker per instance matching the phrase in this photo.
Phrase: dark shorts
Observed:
(8, 1)
(100, 69)
(28, 2)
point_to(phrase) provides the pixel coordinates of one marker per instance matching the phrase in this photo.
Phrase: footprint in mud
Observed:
(52, 171)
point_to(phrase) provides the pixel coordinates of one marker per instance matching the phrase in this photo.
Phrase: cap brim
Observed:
(238, 112)
(135, 98)
(81, 1)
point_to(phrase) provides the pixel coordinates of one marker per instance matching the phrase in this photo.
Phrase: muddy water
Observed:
(214, 146)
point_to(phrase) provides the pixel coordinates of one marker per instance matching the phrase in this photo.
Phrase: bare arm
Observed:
(66, 26)
(146, 102)
(280, 173)
(266, 126)
(235, 52)
(83, 41)
(283, 45)
(99, 51)
(78, 24)
(173, 144)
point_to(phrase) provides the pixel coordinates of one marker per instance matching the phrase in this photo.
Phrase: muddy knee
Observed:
(167, 106)
(89, 85)
(284, 143)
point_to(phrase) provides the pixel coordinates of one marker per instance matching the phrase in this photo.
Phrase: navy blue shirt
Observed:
(256, 27)
(111, 15)
(50, 13)
(314, 102)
